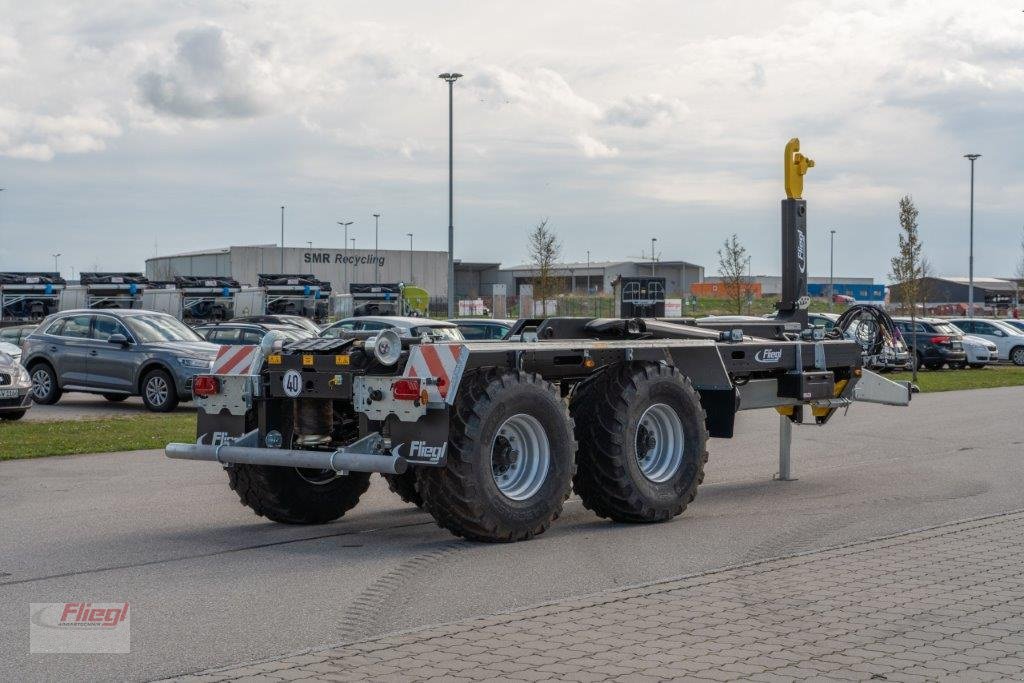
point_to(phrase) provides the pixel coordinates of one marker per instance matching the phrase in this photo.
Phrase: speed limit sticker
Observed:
(292, 382)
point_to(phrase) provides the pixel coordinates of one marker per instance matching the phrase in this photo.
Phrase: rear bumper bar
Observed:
(365, 455)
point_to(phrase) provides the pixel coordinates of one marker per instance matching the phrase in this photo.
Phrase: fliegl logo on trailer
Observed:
(767, 356)
(79, 627)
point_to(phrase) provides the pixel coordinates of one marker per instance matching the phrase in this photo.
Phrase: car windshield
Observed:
(1005, 327)
(947, 328)
(438, 332)
(159, 328)
(1015, 324)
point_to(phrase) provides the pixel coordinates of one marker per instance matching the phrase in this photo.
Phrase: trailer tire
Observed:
(405, 487)
(510, 459)
(617, 417)
(282, 494)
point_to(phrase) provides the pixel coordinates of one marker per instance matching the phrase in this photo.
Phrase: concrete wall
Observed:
(339, 267)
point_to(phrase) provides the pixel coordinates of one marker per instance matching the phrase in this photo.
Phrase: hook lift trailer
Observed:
(491, 437)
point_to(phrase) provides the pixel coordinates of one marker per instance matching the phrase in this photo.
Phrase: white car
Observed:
(1014, 322)
(11, 350)
(15, 386)
(1007, 338)
(404, 326)
(980, 352)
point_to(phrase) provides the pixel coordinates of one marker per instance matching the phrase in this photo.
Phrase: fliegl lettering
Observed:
(419, 450)
(768, 356)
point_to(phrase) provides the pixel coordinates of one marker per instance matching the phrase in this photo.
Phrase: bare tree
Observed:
(732, 265)
(544, 249)
(909, 268)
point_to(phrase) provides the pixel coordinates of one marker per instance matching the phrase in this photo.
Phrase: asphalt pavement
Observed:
(211, 584)
(82, 406)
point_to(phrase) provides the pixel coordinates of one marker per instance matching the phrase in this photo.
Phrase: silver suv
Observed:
(116, 353)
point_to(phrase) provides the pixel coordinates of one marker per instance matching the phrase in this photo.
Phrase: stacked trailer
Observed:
(26, 297)
(377, 298)
(303, 295)
(207, 298)
(491, 437)
(639, 297)
(105, 290)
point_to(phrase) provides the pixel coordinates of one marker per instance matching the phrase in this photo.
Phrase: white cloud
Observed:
(642, 112)
(593, 148)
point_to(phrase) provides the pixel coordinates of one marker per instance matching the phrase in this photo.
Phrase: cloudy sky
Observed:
(129, 127)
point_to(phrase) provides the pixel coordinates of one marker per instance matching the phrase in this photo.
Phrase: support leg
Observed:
(785, 441)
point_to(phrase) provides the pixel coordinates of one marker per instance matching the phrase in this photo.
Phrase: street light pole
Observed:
(282, 240)
(344, 245)
(653, 260)
(410, 255)
(970, 262)
(376, 245)
(56, 268)
(450, 78)
(354, 261)
(588, 272)
(831, 270)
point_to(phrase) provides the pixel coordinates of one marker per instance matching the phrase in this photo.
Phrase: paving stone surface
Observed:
(939, 604)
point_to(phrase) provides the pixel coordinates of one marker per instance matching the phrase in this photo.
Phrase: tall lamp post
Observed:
(376, 244)
(354, 274)
(56, 268)
(588, 272)
(450, 79)
(653, 260)
(282, 240)
(410, 255)
(970, 262)
(344, 245)
(831, 269)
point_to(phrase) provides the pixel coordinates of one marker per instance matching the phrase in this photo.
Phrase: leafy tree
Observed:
(732, 265)
(909, 268)
(545, 250)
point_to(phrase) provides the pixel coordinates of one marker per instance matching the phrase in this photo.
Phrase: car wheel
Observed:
(158, 392)
(45, 389)
(1017, 355)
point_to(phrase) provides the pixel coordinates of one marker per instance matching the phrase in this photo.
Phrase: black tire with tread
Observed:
(405, 487)
(463, 496)
(608, 477)
(281, 495)
(172, 392)
(55, 390)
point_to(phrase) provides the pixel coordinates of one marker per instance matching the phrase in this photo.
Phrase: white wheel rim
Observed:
(156, 391)
(41, 384)
(660, 443)
(520, 457)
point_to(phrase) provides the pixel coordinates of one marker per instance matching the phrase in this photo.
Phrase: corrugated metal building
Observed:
(599, 275)
(428, 269)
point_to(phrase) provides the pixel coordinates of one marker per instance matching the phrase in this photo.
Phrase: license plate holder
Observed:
(8, 393)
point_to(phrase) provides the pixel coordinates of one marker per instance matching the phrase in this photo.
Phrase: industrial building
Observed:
(860, 288)
(988, 291)
(597, 276)
(428, 269)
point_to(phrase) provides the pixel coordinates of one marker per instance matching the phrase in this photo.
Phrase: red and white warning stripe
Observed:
(442, 362)
(235, 360)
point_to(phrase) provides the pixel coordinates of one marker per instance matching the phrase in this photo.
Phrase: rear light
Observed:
(406, 390)
(205, 385)
(942, 339)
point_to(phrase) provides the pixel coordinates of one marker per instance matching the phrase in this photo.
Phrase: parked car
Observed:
(938, 342)
(406, 327)
(980, 352)
(236, 334)
(484, 328)
(15, 387)
(11, 350)
(16, 333)
(1014, 322)
(1007, 338)
(117, 354)
(292, 320)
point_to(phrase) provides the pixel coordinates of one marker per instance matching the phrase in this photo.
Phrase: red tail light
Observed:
(406, 389)
(941, 339)
(205, 385)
